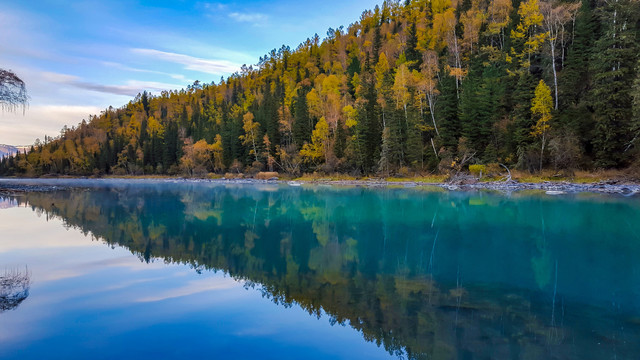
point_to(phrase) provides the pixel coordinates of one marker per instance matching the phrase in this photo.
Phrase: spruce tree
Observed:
(613, 64)
(447, 110)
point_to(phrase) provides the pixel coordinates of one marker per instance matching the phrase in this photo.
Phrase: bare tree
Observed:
(13, 92)
(556, 16)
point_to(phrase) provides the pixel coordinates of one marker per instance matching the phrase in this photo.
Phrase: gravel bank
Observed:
(14, 186)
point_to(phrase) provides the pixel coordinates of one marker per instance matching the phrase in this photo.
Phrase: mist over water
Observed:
(191, 268)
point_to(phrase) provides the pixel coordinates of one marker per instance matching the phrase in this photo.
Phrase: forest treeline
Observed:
(413, 86)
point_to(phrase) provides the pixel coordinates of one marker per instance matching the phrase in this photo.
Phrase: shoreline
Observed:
(552, 188)
(22, 185)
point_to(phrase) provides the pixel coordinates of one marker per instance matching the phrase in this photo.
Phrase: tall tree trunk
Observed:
(431, 111)
(555, 74)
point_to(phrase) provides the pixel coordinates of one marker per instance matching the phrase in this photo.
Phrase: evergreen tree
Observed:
(413, 55)
(302, 124)
(613, 64)
(447, 110)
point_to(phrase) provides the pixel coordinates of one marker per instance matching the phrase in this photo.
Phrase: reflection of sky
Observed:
(90, 301)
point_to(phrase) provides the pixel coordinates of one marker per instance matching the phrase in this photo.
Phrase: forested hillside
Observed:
(413, 86)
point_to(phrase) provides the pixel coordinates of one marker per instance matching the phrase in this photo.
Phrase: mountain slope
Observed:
(6, 150)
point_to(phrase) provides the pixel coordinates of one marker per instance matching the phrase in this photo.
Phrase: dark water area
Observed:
(177, 269)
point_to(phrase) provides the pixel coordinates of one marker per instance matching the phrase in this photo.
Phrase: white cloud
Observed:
(215, 67)
(254, 18)
(215, 6)
(57, 77)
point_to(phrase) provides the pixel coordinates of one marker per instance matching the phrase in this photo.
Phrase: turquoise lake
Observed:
(132, 269)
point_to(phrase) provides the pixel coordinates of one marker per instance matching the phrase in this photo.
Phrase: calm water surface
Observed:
(170, 269)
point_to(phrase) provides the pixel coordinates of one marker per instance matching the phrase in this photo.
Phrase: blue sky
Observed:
(79, 57)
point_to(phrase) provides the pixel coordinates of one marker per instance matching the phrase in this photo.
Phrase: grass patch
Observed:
(324, 177)
(150, 177)
(429, 179)
(579, 177)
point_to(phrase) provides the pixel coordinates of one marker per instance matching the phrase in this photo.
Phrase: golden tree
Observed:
(541, 106)
(250, 133)
(316, 151)
(530, 19)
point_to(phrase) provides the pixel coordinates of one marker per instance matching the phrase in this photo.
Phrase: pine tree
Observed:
(635, 122)
(302, 120)
(575, 80)
(613, 63)
(448, 116)
(412, 53)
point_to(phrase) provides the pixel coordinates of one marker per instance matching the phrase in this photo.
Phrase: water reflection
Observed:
(424, 274)
(14, 288)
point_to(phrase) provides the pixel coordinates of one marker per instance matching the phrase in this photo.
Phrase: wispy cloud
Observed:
(131, 88)
(132, 69)
(214, 6)
(253, 18)
(214, 67)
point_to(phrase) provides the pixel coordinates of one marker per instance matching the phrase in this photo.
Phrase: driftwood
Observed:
(508, 177)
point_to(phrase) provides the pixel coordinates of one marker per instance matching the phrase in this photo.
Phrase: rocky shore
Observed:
(16, 186)
(553, 188)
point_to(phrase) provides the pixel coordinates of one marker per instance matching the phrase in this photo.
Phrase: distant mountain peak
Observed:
(6, 150)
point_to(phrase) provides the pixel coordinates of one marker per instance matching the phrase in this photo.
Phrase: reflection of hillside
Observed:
(366, 265)
(14, 288)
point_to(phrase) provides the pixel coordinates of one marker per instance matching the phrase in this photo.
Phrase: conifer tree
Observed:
(613, 64)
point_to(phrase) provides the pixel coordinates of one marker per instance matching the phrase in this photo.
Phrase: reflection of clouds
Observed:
(267, 330)
(39, 236)
(127, 262)
(195, 287)
(57, 275)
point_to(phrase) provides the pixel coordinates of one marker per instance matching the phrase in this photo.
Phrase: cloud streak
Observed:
(132, 88)
(145, 71)
(207, 66)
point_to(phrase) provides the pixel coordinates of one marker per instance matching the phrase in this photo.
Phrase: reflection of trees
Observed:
(14, 288)
(368, 263)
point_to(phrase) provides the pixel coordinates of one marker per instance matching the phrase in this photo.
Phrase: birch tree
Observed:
(556, 15)
(250, 136)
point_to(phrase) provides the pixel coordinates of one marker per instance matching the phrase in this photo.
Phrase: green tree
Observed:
(613, 65)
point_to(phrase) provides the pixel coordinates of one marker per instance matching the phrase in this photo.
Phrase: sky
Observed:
(77, 58)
